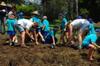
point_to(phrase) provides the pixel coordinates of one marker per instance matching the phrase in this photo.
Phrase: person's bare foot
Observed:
(91, 59)
(37, 43)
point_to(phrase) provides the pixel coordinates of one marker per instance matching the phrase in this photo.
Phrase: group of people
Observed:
(85, 32)
(34, 28)
(39, 30)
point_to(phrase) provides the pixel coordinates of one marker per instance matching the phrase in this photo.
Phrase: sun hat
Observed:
(35, 12)
(3, 4)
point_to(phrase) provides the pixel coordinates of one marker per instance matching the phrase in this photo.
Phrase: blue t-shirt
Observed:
(63, 23)
(89, 39)
(37, 20)
(91, 29)
(46, 24)
(10, 24)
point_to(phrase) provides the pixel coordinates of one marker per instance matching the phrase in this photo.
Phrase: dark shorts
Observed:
(47, 37)
(11, 33)
(36, 29)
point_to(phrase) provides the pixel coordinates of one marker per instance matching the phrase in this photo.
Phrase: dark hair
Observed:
(90, 20)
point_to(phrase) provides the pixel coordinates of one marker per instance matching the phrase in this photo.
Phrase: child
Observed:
(11, 22)
(64, 32)
(47, 32)
(37, 31)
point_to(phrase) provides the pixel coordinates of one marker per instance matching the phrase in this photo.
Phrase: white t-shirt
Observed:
(79, 23)
(25, 23)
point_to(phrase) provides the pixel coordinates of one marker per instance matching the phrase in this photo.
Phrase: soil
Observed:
(43, 55)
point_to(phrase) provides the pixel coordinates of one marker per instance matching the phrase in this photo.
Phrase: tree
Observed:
(53, 7)
(92, 7)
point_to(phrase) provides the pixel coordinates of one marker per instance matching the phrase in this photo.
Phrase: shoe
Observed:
(43, 40)
(11, 43)
(52, 46)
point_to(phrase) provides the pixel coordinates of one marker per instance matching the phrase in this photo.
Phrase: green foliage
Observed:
(27, 8)
(81, 1)
(84, 11)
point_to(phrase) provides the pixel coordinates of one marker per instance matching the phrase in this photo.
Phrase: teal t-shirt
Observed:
(91, 29)
(10, 24)
(63, 23)
(46, 24)
(37, 20)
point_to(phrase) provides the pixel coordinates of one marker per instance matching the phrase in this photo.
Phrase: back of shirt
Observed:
(79, 22)
(25, 23)
(46, 24)
(37, 20)
(63, 23)
(91, 29)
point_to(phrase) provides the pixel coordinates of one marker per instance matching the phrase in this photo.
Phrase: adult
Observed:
(90, 41)
(81, 25)
(2, 17)
(24, 26)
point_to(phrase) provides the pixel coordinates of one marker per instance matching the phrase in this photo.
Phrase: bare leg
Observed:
(53, 40)
(62, 38)
(91, 52)
(41, 36)
(15, 39)
(80, 40)
(23, 39)
(36, 37)
(67, 36)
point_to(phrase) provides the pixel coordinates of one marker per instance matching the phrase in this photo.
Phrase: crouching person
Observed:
(47, 33)
(49, 37)
(24, 26)
(90, 42)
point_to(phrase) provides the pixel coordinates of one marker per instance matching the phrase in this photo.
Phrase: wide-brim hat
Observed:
(3, 4)
(35, 12)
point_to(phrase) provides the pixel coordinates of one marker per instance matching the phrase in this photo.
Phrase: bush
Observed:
(27, 8)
